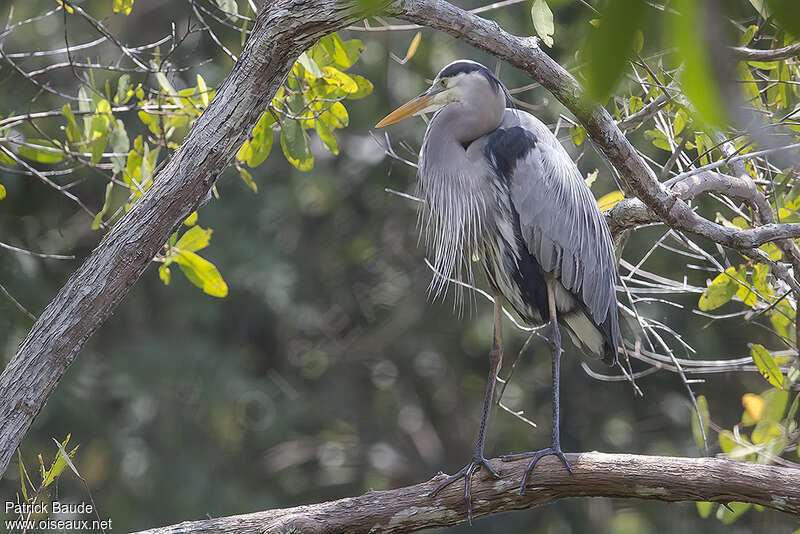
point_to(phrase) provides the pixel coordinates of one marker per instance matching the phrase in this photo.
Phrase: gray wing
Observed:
(562, 225)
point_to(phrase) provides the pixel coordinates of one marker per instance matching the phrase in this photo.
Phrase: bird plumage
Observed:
(511, 193)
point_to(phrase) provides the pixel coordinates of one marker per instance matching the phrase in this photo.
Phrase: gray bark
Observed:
(409, 509)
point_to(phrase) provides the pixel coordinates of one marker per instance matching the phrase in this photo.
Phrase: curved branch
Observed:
(753, 54)
(596, 474)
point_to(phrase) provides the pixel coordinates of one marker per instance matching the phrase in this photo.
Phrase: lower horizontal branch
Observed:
(595, 475)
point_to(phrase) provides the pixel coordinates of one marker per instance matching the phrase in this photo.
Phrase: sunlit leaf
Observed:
(543, 21)
(609, 200)
(247, 178)
(310, 65)
(727, 516)
(753, 405)
(659, 139)
(164, 274)
(611, 44)
(99, 217)
(364, 87)
(123, 6)
(326, 135)
(2, 191)
(340, 79)
(578, 134)
(766, 365)
(194, 239)
(202, 273)
(720, 291)
(22, 475)
(748, 35)
(294, 142)
(41, 150)
(412, 48)
(191, 220)
(73, 131)
(704, 508)
(697, 432)
(66, 7)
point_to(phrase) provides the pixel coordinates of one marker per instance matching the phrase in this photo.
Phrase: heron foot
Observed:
(535, 456)
(466, 473)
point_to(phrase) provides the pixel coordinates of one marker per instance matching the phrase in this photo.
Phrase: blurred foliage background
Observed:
(324, 372)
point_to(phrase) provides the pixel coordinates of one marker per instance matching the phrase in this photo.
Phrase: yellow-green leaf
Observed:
(294, 142)
(727, 516)
(66, 7)
(697, 432)
(230, 7)
(194, 239)
(41, 150)
(753, 405)
(2, 191)
(543, 21)
(123, 6)
(721, 290)
(202, 273)
(578, 134)
(326, 135)
(749, 33)
(73, 132)
(247, 178)
(766, 365)
(340, 79)
(704, 508)
(191, 220)
(164, 273)
(609, 200)
(99, 217)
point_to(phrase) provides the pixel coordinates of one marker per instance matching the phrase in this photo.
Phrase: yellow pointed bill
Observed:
(406, 110)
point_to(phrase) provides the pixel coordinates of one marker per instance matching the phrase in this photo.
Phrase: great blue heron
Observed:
(497, 182)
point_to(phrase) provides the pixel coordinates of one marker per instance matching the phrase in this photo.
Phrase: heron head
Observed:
(460, 81)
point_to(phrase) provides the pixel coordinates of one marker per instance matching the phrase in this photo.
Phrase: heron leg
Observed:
(478, 459)
(555, 444)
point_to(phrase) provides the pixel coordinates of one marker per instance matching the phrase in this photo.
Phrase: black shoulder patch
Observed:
(506, 146)
(465, 67)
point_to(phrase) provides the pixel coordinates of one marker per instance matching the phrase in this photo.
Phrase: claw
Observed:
(535, 456)
(466, 473)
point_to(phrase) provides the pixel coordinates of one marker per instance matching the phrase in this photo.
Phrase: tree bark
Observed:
(596, 474)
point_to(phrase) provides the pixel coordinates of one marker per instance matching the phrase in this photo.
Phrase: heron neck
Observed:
(465, 123)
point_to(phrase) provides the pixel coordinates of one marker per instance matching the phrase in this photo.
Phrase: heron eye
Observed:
(443, 82)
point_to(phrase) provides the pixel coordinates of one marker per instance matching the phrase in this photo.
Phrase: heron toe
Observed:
(535, 456)
(466, 473)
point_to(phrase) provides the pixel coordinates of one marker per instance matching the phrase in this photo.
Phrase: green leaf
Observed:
(727, 441)
(611, 44)
(164, 273)
(704, 508)
(721, 290)
(364, 87)
(327, 137)
(230, 7)
(61, 461)
(331, 50)
(543, 21)
(2, 191)
(99, 217)
(294, 142)
(688, 31)
(23, 474)
(310, 65)
(73, 132)
(202, 88)
(120, 144)
(727, 517)
(340, 79)
(697, 432)
(66, 7)
(256, 149)
(749, 33)
(766, 365)
(194, 239)
(41, 150)
(124, 92)
(202, 273)
(578, 134)
(247, 178)
(123, 6)
(659, 139)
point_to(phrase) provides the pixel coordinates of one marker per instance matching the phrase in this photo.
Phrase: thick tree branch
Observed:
(596, 474)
